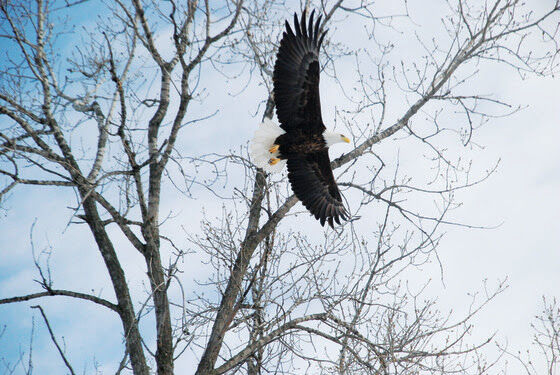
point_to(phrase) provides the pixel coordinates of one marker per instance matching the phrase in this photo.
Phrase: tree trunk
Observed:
(118, 279)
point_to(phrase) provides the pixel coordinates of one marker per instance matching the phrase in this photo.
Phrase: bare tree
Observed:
(546, 341)
(288, 300)
(94, 87)
(547, 334)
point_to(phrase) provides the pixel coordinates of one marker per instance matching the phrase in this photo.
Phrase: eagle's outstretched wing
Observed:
(313, 183)
(296, 77)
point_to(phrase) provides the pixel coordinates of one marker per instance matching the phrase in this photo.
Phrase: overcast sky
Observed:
(522, 200)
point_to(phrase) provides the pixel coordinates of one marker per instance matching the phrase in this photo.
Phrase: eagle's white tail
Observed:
(263, 140)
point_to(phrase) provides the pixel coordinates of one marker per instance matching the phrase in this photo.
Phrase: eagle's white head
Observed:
(331, 138)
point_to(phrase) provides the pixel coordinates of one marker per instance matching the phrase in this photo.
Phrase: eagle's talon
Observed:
(274, 149)
(273, 161)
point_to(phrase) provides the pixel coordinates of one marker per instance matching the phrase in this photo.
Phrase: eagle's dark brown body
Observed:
(299, 143)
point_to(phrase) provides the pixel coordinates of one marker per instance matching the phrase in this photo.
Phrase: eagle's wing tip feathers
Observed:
(334, 218)
(308, 29)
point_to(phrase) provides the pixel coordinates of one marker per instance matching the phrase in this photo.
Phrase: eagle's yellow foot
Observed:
(273, 161)
(274, 149)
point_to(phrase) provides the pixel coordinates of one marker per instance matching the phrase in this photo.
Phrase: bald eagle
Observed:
(301, 141)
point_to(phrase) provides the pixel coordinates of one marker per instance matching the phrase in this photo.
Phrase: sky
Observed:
(521, 200)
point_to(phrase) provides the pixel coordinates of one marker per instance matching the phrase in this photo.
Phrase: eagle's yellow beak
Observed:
(346, 139)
